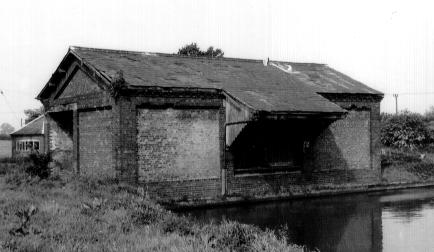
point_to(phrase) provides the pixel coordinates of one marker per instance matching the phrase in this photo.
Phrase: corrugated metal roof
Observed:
(35, 127)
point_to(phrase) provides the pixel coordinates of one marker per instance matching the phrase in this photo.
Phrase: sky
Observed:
(388, 45)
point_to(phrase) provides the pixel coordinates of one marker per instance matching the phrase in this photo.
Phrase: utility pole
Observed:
(396, 103)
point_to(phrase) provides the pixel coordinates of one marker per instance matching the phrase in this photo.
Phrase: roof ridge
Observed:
(174, 55)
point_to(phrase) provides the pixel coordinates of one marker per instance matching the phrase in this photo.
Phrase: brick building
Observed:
(201, 128)
(29, 138)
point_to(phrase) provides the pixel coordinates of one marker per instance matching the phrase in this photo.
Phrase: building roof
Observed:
(273, 87)
(35, 127)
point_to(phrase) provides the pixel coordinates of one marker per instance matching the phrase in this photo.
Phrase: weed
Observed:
(115, 218)
(38, 165)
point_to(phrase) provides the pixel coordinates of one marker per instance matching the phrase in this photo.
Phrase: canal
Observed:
(393, 221)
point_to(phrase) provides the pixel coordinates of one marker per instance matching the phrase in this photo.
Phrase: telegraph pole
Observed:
(396, 103)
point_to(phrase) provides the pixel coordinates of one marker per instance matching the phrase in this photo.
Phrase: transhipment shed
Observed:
(200, 128)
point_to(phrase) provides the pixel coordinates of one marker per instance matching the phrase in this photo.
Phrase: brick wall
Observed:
(344, 144)
(344, 153)
(178, 144)
(59, 135)
(198, 189)
(177, 138)
(257, 185)
(95, 144)
(364, 102)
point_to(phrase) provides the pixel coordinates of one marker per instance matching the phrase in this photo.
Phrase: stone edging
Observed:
(314, 194)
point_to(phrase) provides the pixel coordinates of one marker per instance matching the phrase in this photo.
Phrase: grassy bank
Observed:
(62, 213)
(407, 166)
(82, 215)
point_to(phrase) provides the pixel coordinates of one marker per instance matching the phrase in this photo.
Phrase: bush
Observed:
(145, 214)
(38, 165)
(232, 236)
(404, 130)
(423, 170)
(173, 223)
(394, 156)
(16, 176)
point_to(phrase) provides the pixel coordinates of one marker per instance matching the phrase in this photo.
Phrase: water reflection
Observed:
(399, 221)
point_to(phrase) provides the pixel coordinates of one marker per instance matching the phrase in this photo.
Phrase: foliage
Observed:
(117, 84)
(405, 165)
(32, 114)
(404, 130)
(429, 114)
(39, 165)
(396, 156)
(88, 215)
(232, 236)
(6, 129)
(423, 170)
(193, 50)
(5, 137)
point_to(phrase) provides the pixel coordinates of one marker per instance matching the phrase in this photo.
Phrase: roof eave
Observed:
(71, 51)
(284, 115)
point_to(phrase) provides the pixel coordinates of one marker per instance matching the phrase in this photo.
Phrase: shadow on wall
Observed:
(63, 121)
(268, 146)
(306, 146)
(325, 154)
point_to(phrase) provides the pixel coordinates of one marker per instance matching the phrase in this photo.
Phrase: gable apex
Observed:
(70, 63)
(79, 84)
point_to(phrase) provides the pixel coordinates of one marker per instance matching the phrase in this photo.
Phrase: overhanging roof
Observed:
(262, 88)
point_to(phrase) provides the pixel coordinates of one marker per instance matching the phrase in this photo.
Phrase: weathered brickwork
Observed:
(275, 184)
(60, 133)
(364, 102)
(345, 144)
(184, 189)
(95, 144)
(175, 144)
(59, 136)
(345, 153)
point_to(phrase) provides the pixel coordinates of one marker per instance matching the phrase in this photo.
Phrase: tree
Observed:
(6, 129)
(190, 50)
(404, 130)
(32, 114)
(193, 50)
(214, 53)
(429, 114)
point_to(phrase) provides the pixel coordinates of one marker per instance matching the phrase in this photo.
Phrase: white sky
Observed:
(389, 45)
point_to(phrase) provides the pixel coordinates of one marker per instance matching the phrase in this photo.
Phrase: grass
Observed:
(84, 215)
(409, 166)
(64, 213)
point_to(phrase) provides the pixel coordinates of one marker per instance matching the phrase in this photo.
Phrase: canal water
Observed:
(394, 221)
